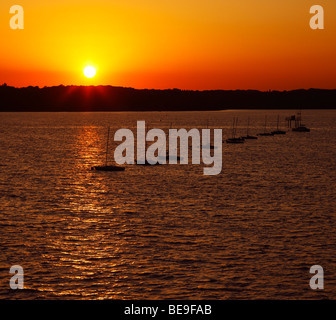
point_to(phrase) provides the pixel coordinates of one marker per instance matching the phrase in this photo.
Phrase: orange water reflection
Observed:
(89, 247)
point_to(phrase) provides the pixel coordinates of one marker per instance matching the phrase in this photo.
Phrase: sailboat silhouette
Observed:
(107, 167)
(266, 133)
(247, 131)
(277, 131)
(234, 130)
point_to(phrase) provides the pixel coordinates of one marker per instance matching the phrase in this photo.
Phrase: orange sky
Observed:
(187, 44)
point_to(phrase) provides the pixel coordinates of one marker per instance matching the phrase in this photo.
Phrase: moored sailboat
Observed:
(247, 131)
(235, 140)
(299, 126)
(265, 134)
(107, 167)
(277, 131)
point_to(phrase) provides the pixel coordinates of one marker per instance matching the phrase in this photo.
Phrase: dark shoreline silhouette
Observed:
(110, 98)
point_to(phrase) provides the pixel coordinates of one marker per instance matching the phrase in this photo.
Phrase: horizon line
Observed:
(166, 89)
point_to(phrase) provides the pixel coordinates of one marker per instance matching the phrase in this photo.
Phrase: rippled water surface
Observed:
(166, 232)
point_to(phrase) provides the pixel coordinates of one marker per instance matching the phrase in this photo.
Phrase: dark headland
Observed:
(110, 98)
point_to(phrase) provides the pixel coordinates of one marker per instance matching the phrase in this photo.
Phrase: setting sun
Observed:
(90, 72)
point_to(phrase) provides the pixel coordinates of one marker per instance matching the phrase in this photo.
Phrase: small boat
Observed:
(146, 163)
(168, 157)
(299, 126)
(277, 131)
(209, 146)
(247, 132)
(107, 167)
(266, 134)
(250, 137)
(235, 140)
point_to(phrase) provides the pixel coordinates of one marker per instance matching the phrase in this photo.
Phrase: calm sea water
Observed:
(166, 232)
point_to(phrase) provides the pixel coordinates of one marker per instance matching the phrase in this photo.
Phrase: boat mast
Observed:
(278, 123)
(107, 144)
(236, 127)
(233, 127)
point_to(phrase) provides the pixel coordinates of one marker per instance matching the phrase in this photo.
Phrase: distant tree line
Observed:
(109, 98)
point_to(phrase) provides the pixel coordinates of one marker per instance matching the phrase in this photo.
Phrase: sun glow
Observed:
(90, 72)
(196, 45)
